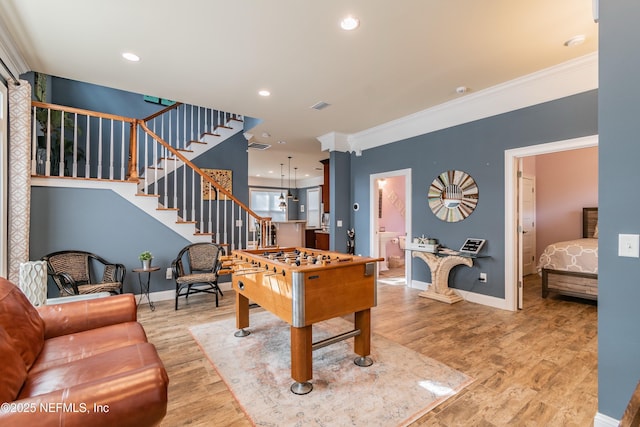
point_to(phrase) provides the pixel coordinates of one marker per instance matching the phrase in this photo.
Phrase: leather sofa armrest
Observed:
(135, 398)
(77, 316)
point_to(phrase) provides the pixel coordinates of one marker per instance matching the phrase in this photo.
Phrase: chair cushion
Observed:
(197, 278)
(13, 373)
(99, 287)
(67, 348)
(21, 321)
(93, 368)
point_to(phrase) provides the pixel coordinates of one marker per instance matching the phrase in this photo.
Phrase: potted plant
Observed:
(146, 257)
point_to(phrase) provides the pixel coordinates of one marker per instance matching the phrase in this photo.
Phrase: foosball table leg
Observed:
(301, 359)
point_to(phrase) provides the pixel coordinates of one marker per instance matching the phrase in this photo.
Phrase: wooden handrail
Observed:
(197, 169)
(81, 111)
(161, 112)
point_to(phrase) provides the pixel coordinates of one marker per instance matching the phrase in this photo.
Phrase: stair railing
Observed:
(78, 143)
(181, 185)
(63, 142)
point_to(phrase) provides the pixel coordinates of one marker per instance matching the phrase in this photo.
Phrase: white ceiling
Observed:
(406, 56)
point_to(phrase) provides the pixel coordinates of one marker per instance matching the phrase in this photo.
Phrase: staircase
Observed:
(149, 162)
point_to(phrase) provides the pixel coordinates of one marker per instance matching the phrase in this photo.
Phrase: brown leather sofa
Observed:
(83, 363)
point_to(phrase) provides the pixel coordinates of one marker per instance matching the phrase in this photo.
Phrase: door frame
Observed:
(373, 214)
(4, 181)
(511, 162)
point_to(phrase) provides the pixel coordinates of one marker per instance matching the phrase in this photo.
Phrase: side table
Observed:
(145, 286)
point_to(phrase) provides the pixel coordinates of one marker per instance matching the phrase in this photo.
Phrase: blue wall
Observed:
(619, 180)
(478, 149)
(102, 222)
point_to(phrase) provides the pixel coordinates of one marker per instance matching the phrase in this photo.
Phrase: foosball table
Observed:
(302, 287)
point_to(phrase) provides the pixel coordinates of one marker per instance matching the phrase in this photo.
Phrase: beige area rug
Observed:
(400, 386)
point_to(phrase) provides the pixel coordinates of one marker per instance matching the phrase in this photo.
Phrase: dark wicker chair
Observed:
(73, 271)
(195, 270)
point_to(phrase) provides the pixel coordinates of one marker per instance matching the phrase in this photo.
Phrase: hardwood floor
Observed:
(534, 367)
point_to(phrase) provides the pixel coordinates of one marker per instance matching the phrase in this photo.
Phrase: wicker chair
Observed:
(73, 270)
(196, 269)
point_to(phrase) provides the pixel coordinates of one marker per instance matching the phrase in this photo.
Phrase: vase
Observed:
(146, 263)
(33, 281)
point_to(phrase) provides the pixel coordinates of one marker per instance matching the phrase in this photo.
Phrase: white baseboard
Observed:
(601, 420)
(468, 296)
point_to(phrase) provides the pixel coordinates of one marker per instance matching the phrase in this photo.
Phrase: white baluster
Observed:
(87, 150)
(34, 144)
(193, 195)
(99, 147)
(74, 172)
(61, 160)
(217, 216)
(111, 145)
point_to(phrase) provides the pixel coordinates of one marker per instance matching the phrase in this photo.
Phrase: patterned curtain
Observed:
(19, 176)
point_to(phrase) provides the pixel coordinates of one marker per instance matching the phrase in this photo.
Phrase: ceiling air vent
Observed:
(320, 105)
(258, 146)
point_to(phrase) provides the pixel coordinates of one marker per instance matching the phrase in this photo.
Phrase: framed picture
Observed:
(222, 177)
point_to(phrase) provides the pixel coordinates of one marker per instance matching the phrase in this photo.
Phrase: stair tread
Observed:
(147, 195)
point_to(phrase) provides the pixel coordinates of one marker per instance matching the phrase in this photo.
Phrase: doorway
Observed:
(513, 235)
(390, 224)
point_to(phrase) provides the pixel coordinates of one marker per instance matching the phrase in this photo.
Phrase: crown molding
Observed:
(569, 78)
(10, 54)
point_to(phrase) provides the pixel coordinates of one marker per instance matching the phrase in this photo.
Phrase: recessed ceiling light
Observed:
(461, 90)
(264, 92)
(131, 57)
(350, 23)
(282, 142)
(270, 171)
(575, 41)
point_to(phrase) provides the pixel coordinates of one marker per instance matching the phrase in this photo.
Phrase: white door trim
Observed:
(510, 205)
(373, 213)
(4, 182)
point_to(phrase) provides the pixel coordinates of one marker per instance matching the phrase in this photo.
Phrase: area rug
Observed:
(400, 386)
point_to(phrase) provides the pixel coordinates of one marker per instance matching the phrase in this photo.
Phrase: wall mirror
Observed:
(453, 196)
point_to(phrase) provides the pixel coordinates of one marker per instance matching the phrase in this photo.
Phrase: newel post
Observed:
(133, 152)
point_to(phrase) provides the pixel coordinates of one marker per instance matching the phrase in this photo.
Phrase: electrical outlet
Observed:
(169, 274)
(483, 277)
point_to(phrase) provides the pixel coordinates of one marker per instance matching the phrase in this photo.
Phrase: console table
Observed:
(441, 264)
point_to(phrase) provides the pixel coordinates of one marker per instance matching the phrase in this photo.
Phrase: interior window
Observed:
(265, 202)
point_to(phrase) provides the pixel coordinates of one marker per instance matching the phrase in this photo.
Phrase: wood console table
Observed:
(440, 265)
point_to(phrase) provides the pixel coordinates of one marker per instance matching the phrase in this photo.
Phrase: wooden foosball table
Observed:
(302, 287)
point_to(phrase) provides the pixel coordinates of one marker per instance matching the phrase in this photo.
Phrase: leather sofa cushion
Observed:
(91, 369)
(12, 370)
(67, 348)
(21, 321)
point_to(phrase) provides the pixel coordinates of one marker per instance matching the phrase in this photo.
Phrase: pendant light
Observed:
(295, 184)
(282, 204)
(289, 195)
(281, 198)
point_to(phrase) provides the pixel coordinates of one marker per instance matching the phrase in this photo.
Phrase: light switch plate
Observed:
(629, 245)
(339, 223)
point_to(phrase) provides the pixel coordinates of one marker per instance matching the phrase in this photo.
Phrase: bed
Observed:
(571, 267)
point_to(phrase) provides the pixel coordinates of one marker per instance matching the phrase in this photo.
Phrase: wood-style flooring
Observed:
(534, 367)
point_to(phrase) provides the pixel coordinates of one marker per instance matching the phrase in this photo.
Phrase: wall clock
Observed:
(453, 196)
